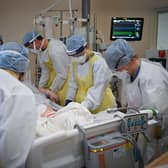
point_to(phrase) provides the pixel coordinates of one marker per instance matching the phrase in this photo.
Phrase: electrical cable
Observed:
(136, 150)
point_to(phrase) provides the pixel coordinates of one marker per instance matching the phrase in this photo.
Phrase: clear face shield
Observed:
(34, 49)
(120, 72)
(23, 76)
(27, 76)
(80, 58)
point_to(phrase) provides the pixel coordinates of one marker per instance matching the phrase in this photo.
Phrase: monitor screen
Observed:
(126, 28)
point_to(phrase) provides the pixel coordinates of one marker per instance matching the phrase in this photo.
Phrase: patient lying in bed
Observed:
(50, 121)
(66, 118)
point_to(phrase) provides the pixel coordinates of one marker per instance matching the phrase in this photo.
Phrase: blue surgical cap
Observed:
(14, 57)
(119, 53)
(30, 36)
(75, 44)
(15, 47)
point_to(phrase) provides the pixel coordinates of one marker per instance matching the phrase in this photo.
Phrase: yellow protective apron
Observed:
(84, 83)
(11, 72)
(52, 73)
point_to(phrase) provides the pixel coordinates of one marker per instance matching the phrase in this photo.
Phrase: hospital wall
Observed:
(16, 17)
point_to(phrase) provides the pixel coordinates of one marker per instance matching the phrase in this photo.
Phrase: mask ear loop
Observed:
(42, 43)
(34, 44)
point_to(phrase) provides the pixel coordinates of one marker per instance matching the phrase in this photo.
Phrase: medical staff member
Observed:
(147, 84)
(89, 77)
(17, 107)
(54, 65)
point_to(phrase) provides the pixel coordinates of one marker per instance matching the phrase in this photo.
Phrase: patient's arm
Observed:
(49, 112)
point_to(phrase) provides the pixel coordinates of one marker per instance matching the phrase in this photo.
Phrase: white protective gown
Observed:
(101, 79)
(17, 121)
(150, 88)
(57, 52)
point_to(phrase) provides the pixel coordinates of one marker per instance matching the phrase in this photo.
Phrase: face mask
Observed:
(123, 75)
(35, 50)
(80, 59)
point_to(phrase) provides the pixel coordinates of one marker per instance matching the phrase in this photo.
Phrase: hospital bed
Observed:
(64, 149)
(59, 150)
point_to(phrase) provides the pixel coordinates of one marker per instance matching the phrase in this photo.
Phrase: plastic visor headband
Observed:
(29, 42)
(17, 53)
(76, 51)
(122, 61)
(34, 37)
(12, 52)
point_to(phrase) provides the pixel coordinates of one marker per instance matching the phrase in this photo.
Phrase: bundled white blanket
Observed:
(66, 118)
